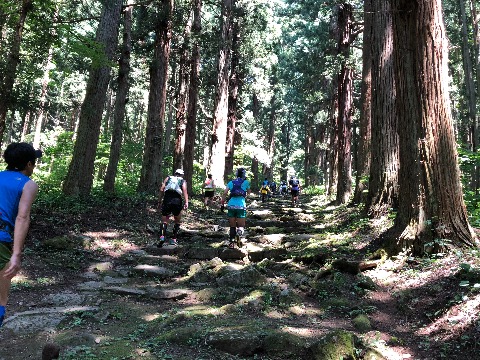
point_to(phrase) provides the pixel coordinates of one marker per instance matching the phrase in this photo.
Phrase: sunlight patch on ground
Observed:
(277, 315)
(302, 311)
(150, 317)
(460, 316)
(303, 332)
(104, 234)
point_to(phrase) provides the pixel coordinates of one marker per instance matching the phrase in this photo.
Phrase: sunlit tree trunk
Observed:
(383, 178)
(272, 123)
(190, 132)
(123, 86)
(431, 207)
(333, 144)
(365, 126)
(79, 178)
(217, 160)
(151, 174)
(255, 169)
(7, 79)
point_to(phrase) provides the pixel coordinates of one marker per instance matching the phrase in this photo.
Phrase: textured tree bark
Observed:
(431, 207)
(8, 77)
(79, 178)
(233, 90)
(365, 126)
(345, 106)
(217, 156)
(120, 102)
(383, 179)
(190, 132)
(151, 174)
(182, 98)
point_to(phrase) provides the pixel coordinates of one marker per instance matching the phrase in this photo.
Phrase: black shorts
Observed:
(295, 193)
(209, 193)
(172, 204)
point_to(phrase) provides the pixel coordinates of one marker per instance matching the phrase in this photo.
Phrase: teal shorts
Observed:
(5, 253)
(237, 213)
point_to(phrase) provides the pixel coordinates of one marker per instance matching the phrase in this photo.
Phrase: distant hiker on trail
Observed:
(171, 191)
(264, 191)
(17, 193)
(283, 188)
(208, 190)
(236, 206)
(273, 187)
(265, 182)
(295, 189)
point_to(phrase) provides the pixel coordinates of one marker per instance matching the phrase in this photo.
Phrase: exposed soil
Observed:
(417, 308)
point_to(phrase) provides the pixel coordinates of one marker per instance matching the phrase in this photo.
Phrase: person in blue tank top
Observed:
(236, 206)
(17, 193)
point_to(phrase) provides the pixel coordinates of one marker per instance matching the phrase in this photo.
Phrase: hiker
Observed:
(236, 206)
(294, 189)
(208, 190)
(17, 194)
(171, 191)
(283, 188)
(273, 187)
(264, 191)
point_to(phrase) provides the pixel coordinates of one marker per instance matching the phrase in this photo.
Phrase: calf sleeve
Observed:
(233, 232)
(176, 227)
(163, 230)
(2, 314)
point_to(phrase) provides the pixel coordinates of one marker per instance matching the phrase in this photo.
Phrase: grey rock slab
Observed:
(42, 318)
(125, 290)
(63, 299)
(152, 271)
(172, 294)
(91, 286)
(201, 253)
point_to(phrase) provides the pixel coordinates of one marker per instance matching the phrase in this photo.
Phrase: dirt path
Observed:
(99, 287)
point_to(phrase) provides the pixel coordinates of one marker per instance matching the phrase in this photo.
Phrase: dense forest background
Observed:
(373, 102)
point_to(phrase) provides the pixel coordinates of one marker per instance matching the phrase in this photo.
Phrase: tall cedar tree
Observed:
(7, 79)
(151, 174)
(431, 202)
(383, 179)
(79, 178)
(182, 97)
(123, 86)
(345, 104)
(233, 89)
(365, 126)
(190, 131)
(219, 133)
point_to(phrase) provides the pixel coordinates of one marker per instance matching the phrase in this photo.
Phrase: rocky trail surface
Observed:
(303, 285)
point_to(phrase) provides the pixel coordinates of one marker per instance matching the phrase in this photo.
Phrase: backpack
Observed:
(295, 184)
(237, 188)
(174, 183)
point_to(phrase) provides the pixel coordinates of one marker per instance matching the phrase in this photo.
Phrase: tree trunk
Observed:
(151, 175)
(333, 154)
(383, 179)
(8, 77)
(123, 86)
(345, 106)
(79, 178)
(233, 89)
(365, 126)
(190, 132)
(217, 158)
(431, 207)
(271, 135)
(182, 98)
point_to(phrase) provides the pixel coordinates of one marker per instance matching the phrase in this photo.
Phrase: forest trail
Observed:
(292, 291)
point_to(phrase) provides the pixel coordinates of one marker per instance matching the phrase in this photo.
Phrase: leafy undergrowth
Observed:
(404, 307)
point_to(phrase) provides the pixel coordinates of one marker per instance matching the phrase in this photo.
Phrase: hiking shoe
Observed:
(161, 242)
(238, 241)
(231, 245)
(173, 242)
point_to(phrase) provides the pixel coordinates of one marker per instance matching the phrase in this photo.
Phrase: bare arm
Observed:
(22, 224)
(185, 194)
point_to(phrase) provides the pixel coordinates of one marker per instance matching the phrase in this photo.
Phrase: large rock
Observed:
(241, 342)
(245, 277)
(336, 345)
(152, 271)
